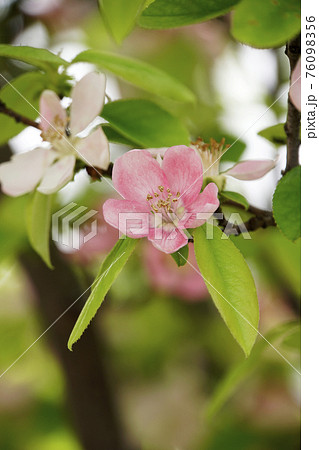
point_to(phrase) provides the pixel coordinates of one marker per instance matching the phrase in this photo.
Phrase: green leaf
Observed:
(116, 137)
(120, 15)
(232, 381)
(170, 14)
(181, 256)
(229, 282)
(12, 229)
(145, 123)
(235, 197)
(38, 57)
(110, 269)
(138, 73)
(21, 95)
(267, 23)
(275, 134)
(287, 204)
(39, 225)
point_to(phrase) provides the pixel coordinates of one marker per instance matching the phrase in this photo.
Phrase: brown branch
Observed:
(261, 219)
(96, 173)
(17, 117)
(292, 125)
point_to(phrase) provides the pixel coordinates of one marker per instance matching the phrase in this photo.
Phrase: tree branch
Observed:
(17, 117)
(292, 125)
(261, 219)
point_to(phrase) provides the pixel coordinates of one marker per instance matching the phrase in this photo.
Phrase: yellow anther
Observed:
(161, 188)
(156, 194)
(149, 197)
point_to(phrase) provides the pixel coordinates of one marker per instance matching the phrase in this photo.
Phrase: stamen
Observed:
(154, 208)
(161, 188)
(149, 197)
(156, 194)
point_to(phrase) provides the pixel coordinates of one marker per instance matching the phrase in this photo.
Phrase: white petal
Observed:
(87, 101)
(94, 149)
(51, 110)
(57, 175)
(251, 170)
(24, 171)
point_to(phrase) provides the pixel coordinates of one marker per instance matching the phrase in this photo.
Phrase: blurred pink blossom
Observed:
(166, 277)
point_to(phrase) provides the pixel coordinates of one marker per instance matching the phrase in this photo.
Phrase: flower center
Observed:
(210, 155)
(58, 134)
(165, 203)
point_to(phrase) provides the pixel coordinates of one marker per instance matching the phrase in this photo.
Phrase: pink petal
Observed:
(24, 171)
(51, 110)
(251, 170)
(295, 88)
(57, 175)
(94, 149)
(88, 97)
(184, 171)
(206, 204)
(170, 241)
(137, 174)
(131, 218)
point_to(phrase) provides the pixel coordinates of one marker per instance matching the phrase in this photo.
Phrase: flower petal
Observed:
(251, 170)
(87, 101)
(137, 174)
(295, 88)
(51, 110)
(24, 171)
(57, 175)
(94, 149)
(184, 172)
(168, 241)
(205, 205)
(131, 218)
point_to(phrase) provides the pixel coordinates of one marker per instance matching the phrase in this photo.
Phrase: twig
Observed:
(96, 173)
(17, 117)
(292, 125)
(261, 219)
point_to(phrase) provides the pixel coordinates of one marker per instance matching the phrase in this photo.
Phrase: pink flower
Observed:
(295, 88)
(49, 169)
(160, 201)
(166, 277)
(211, 154)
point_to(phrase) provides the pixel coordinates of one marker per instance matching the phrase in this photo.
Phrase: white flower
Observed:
(49, 169)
